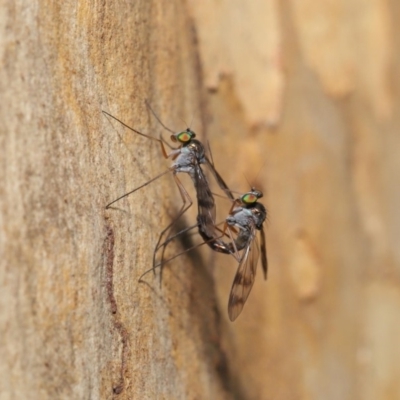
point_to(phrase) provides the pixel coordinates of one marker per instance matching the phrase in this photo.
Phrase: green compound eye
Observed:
(249, 198)
(184, 137)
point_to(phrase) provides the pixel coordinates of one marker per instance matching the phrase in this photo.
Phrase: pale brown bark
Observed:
(301, 97)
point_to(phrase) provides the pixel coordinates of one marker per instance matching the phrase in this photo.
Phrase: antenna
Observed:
(157, 118)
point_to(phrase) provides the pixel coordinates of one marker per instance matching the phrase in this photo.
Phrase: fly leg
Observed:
(187, 203)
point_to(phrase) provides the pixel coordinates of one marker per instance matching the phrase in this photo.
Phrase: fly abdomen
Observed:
(209, 235)
(205, 202)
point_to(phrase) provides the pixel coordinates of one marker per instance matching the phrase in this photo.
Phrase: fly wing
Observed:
(264, 261)
(205, 199)
(244, 278)
(218, 178)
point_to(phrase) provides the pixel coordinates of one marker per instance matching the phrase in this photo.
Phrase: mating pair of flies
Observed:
(246, 215)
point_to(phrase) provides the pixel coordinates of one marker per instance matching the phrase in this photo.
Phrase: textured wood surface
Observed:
(301, 97)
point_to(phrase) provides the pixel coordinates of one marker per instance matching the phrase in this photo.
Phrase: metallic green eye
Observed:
(249, 198)
(252, 196)
(184, 137)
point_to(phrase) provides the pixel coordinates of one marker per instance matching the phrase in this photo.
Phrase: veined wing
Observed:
(218, 178)
(244, 278)
(205, 198)
(264, 260)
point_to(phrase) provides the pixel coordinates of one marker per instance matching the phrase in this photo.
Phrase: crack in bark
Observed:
(116, 320)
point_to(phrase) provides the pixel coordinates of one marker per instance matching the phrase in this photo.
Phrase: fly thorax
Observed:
(197, 149)
(231, 221)
(242, 214)
(186, 161)
(242, 219)
(259, 213)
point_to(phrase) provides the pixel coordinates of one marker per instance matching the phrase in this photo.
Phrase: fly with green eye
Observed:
(246, 216)
(248, 220)
(187, 158)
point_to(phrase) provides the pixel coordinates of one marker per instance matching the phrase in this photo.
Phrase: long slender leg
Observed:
(161, 141)
(163, 262)
(157, 118)
(170, 238)
(187, 203)
(141, 186)
(163, 151)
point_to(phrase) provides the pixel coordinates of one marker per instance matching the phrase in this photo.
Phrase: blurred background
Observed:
(298, 98)
(309, 93)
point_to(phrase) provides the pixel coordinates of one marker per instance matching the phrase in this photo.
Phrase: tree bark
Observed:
(302, 98)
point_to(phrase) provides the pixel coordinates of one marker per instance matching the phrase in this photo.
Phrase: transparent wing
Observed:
(244, 278)
(205, 199)
(264, 260)
(220, 181)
